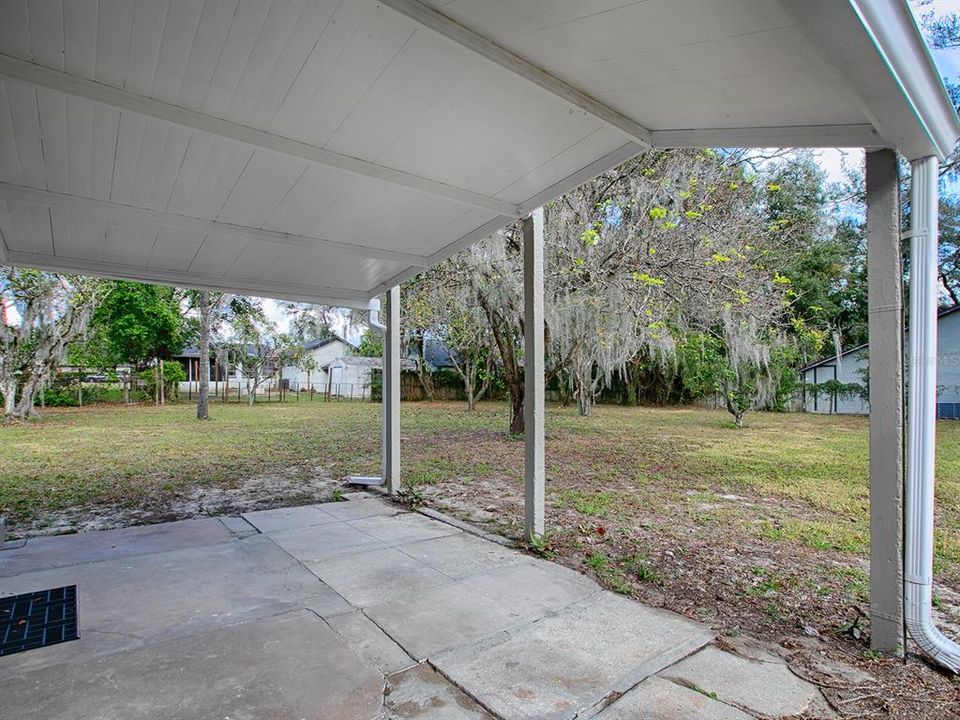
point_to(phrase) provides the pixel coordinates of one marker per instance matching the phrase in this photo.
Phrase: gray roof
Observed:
(320, 342)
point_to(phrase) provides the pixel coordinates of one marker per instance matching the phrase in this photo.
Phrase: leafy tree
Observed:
(215, 309)
(139, 323)
(42, 315)
(370, 345)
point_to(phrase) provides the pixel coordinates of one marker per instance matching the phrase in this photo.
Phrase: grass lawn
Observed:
(792, 477)
(762, 530)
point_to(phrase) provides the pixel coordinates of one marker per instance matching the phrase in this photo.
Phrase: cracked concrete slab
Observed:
(267, 521)
(763, 688)
(659, 699)
(237, 526)
(149, 598)
(362, 508)
(571, 661)
(316, 543)
(422, 692)
(200, 620)
(370, 642)
(460, 556)
(481, 606)
(403, 528)
(63, 550)
(366, 578)
(288, 666)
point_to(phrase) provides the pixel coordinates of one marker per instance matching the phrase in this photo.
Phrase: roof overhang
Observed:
(327, 151)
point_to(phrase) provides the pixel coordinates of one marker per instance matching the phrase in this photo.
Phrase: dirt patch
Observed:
(258, 492)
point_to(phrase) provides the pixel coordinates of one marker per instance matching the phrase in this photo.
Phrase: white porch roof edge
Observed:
(868, 48)
(908, 104)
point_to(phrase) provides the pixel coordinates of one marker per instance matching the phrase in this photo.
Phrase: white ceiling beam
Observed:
(853, 136)
(450, 29)
(298, 292)
(585, 174)
(27, 72)
(48, 198)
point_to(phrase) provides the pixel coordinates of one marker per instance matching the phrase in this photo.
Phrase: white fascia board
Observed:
(286, 291)
(33, 74)
(897, 38)
(814, 136)
(876, 51)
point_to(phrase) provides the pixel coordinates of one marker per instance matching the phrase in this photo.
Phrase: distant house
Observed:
(851, 369)
(323, 351)
(350, 376)
(436, 355)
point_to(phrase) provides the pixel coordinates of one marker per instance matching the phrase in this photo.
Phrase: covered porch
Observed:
(326, 152)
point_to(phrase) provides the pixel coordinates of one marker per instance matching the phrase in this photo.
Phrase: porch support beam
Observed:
(391, 392)
(463, 36)
(533, 375)
(885, 300)
(22, 71)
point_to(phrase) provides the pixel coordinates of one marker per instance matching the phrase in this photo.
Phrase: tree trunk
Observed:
(471, 398)
(516, 420)
(163, 385)
(203, 409)
(9, 400)
(504, 338)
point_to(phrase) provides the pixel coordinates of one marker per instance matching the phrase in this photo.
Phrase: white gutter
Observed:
(921, 418)
(373, 320)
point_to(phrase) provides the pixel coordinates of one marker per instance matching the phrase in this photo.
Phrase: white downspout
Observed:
(921, 417)
(373, 321)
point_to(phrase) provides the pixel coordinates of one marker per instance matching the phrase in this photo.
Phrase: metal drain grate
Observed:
(37, 619)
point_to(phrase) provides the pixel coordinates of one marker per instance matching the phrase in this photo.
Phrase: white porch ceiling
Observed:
(325, 150)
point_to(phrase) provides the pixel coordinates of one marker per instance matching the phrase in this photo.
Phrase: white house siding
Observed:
(948, 366)
(323, 355)
(948, 374)
(848, 371)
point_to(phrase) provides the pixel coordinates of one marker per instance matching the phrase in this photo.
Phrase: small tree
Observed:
(140, 323)
(308, 364)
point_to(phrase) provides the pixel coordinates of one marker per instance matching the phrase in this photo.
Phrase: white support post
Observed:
(885, 297)
(391, 393)
(533, 374)
(921, 417)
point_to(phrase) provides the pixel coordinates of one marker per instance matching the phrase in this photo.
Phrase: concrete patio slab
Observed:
(460, 556)
(422, 692)
(763, 688)
(61, 550)
(572, 661)
(659, 699)
(316, 543)
(289, 666)
(267, 521)
(405, 528)
(145, 599)
(370, 642)
(366, 578)
(479, 607)
(362, 508)
(307, 619)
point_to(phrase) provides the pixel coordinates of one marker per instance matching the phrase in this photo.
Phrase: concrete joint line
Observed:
(694, 688)
(462, 689)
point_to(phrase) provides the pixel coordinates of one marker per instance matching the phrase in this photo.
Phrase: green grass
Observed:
(805, 476)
